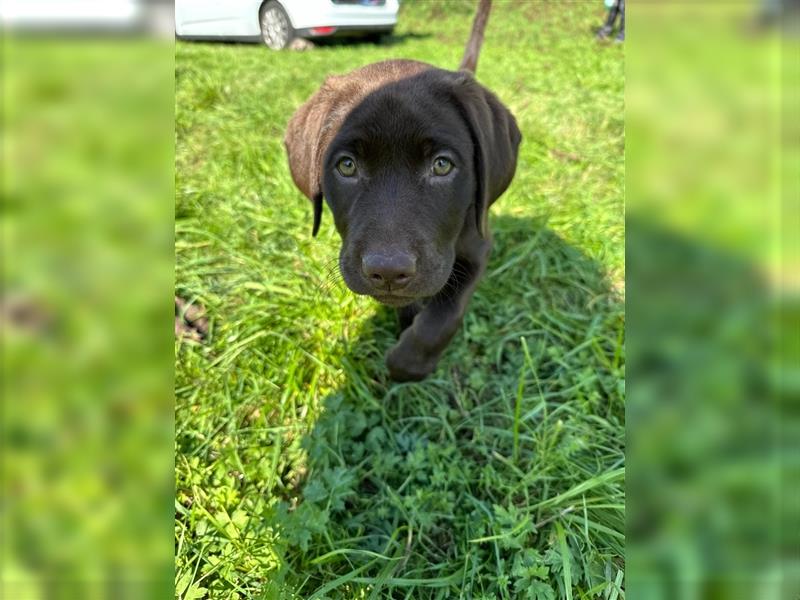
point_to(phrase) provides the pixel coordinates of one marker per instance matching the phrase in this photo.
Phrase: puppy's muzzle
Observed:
(389, 272)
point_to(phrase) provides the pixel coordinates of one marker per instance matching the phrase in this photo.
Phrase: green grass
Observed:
(301, 470)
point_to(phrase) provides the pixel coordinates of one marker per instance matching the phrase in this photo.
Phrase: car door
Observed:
(216, 18)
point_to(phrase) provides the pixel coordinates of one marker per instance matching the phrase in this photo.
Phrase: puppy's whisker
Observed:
(331, 279)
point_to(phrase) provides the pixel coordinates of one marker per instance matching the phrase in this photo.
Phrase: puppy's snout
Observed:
(389, 271)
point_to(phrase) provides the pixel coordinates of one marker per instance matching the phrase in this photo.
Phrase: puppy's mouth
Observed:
(394, 300)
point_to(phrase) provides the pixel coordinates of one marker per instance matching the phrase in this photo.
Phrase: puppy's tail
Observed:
(470, 60)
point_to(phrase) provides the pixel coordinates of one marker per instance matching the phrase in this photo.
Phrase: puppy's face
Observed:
(399, 179)
(409, 158)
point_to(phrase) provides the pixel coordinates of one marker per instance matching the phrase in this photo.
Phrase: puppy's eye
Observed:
(346, 166)
(442, 166)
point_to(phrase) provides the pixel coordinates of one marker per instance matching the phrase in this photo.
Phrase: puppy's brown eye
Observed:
(346, 166)
(442, 166)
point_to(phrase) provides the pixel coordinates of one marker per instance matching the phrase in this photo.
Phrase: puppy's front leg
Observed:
(405, 315)
(420, 346)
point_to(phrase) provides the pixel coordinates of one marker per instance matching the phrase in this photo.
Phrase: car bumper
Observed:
(345, 17)
(346, 31)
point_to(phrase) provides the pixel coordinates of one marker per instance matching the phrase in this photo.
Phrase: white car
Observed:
(277, 22)
(88, 16)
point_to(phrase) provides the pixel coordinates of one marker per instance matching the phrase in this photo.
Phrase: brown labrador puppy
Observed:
(409, 158)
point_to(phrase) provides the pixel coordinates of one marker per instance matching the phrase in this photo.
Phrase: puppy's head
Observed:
(408, 172)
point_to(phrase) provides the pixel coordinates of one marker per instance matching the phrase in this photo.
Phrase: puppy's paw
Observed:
(406, 363)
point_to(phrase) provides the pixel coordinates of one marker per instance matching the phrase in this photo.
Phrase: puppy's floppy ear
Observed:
(496, 139)
(307, 137)
(317, 202)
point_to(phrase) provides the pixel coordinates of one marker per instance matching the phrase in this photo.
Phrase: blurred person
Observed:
(783, 14)
(616, 8)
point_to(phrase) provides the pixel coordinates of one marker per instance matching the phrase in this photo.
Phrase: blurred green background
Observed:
(87, 409)
(712, 223)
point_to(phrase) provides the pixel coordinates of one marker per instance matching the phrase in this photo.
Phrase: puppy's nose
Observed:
(389, 271)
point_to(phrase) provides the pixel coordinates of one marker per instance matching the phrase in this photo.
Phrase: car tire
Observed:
(276, 28)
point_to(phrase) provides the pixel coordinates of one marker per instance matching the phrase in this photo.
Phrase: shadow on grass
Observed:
(466, 482)
(374, 39)
(392, 39)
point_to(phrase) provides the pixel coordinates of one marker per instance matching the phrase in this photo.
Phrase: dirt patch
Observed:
(301, 44)
(190, 320)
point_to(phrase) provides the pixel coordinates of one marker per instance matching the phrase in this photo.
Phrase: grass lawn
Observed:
(301, 470)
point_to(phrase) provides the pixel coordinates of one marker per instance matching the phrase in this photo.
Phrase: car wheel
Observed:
(276, 29)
